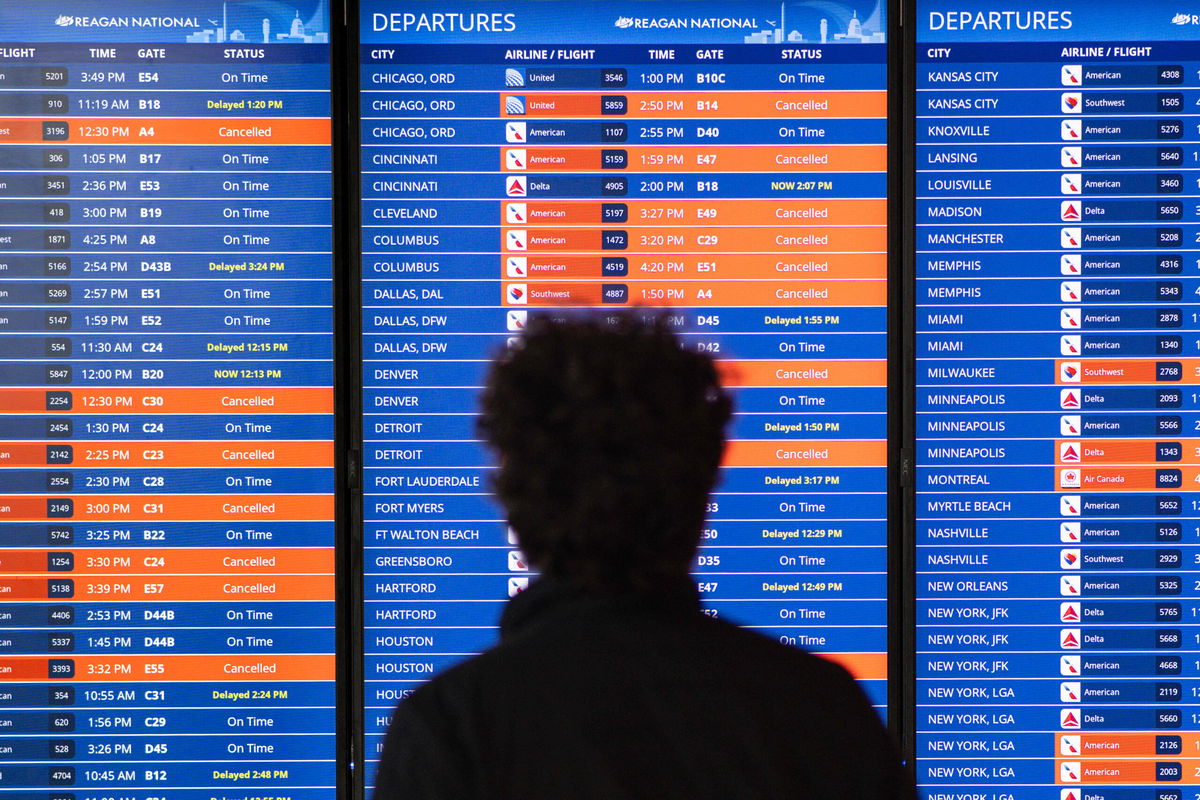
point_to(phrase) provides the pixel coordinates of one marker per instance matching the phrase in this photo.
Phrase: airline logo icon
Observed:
(1069, 558)
(1072, 157)
(1068, 585)
(1070, 691)
(1070, 291)
(516, 267)
(1070, 344)
(512, 342)
(1072, 75)
(515, 133)
(517, 294)
(515, 78)
(1070, 771)
(1069, 794)
(516, 213)
(517, 585)
(515, 240)
(1070, 264)
(516, 561)
(1069, 745)
(1070, 665)
(1071, 237)
(517, 320)
(1070, 532)
(1068, 718)
(1070, 183)
(1071, 130)
(1072, 102)
(1069, 612)
(1068, 505)
(1070, 424)
(514, 104)
(1068, 398)
(1071, 318)
(511, 534)
(1069, 479)
(1069, 371)
(516, 186)
(514, 158)
(1069, 210)
(1068, 452)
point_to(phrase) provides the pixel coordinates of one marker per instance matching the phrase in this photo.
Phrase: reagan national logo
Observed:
(1185, 19)
(688, 23)
(70, 21)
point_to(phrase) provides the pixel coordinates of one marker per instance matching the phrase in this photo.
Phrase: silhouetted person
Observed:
(609, 682)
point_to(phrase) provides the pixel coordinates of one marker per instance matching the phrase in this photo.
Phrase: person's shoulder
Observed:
(744, 642)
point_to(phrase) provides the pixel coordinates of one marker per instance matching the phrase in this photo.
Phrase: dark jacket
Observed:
(594, 697)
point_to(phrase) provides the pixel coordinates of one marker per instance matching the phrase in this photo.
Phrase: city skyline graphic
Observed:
(823, 23)
(264, 23)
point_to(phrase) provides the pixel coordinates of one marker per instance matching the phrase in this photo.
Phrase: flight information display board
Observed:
(1057, 177)
(166, 453)
(724, 162)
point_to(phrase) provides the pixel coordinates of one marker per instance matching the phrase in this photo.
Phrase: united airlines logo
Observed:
(1185, 19)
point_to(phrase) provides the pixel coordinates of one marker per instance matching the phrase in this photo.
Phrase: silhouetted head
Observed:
(608, 435)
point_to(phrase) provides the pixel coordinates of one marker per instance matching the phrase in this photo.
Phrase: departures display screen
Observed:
(726, 163)
(1058, 238)
(166, 403)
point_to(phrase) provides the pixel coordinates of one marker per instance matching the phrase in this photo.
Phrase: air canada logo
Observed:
(624, 22)
(1185, 19)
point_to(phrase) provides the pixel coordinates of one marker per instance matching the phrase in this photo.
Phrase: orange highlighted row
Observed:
(128, 130)
(1123, 745)
(805, 453)
(1092, 772)
(1128, 479)
(167, 507)
(716, 265)
(170, 454)
(791, 213)
(182, 588)
(698, 158)
(862, 666)
(224, 561)
(224, 667)
(671, 240)
(785, 294)
(1128, 451)
(716, 105)
(741, 374)
(1128, 370)
(170, 400)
